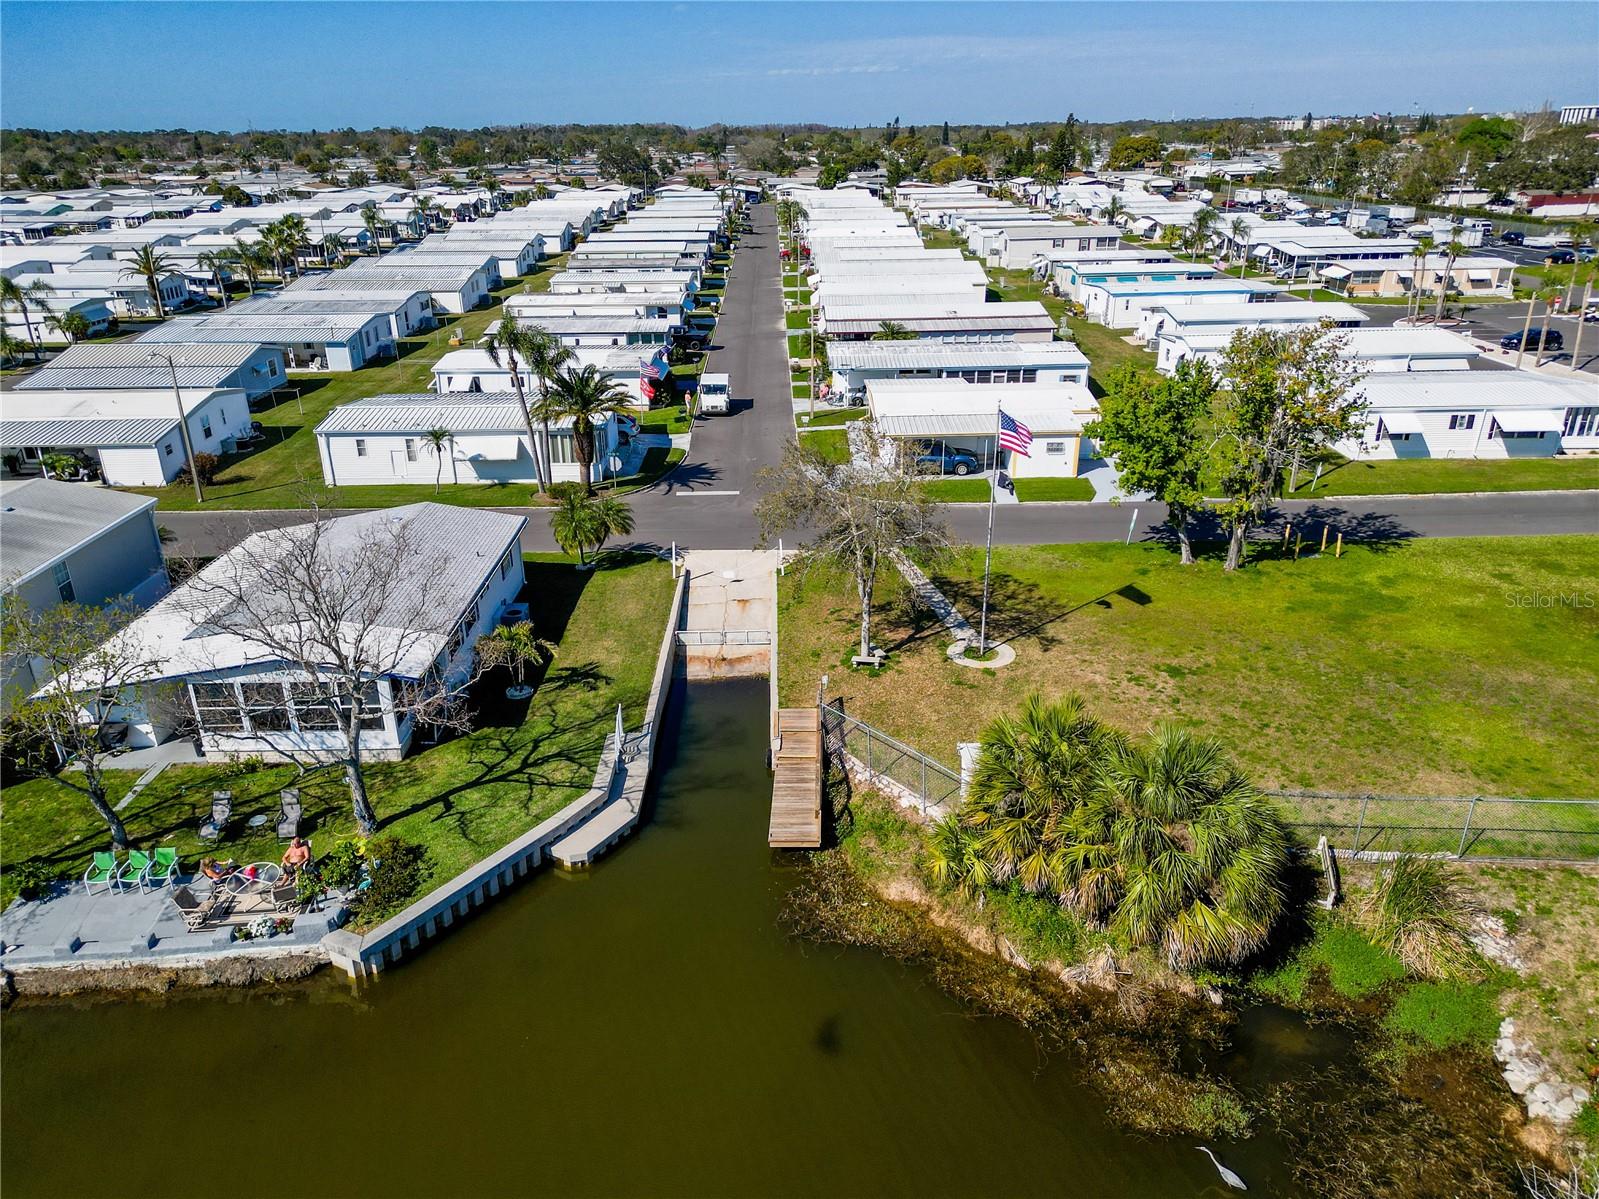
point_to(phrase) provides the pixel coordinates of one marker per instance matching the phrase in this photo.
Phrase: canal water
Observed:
(645, 1029)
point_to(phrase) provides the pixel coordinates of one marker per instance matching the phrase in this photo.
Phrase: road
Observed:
(708, 502)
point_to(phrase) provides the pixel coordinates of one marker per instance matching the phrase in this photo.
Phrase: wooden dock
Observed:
(797, 780)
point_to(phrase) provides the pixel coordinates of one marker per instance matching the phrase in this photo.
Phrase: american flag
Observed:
(650, 368)
(1013, 435)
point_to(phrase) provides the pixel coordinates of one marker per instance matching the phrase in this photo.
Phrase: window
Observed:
(1464, 420)
(315, 708)
(410, 449)
(561, 447)
(505, 563)
(1054, 447)
(205, 427)
(1582, 422)
(266, 707)
(272, 367)
(63, 580)
(371, 707)
(1495, 431)
(168, 448)
(360, 447)
(216, 706)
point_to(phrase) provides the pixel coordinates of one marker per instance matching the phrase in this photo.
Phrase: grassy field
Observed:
(831, 444)
(1434, 667)
(958, 491)
(1053, 489)
(462, 799)
(831, 416)
(1439, 475)
(673, 418)
(797, 319)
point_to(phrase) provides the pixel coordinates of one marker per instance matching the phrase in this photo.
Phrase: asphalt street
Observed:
(709, 501)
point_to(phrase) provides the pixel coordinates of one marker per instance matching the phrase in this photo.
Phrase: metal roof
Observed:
(457, 411)
(51, 377)
(1474, 389)
(272, 328)
(123, 353)
(422, 277)
(943, 324)
(913, 355)
(103, 431)
(43, 520)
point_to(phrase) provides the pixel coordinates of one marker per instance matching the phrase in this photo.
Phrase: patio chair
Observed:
(136, 870)
(102, 872)
(221, 809)
(286, 894)
(196, 911)
(163, 867)
(289, 812)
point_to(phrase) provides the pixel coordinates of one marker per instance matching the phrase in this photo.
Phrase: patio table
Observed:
(255, 878)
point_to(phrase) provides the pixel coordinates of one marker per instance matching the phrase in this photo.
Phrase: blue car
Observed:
(947, 462)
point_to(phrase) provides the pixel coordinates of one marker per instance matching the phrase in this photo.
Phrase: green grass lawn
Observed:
(673, 418)
(797, 320)
(831, 416)
(1438, 475)
(1054, 489)
(831, 444)
(1442, 667)
(958, 491)
(463, 799)
(286, 471)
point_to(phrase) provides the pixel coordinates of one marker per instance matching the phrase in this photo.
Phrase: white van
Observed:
(715, 399)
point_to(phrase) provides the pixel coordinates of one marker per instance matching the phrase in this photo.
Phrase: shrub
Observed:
(1444, 1014)
(1415, 911)
(32, 878)
(206, 464)
(1355, 967)
(341, 866)
(398, 870)
(559, 491)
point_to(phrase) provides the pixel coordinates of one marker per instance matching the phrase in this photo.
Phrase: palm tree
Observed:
(585, 522)
(1549, 296)
(1177, 850)
(1114, 210)
(14, 297)
(1451, 252)
(272, 244)
(1420, 253)
(333, 247)
(546, 357)
(73, 326)
(510, 346)
(541, 191)
(217, 261)
(587, 396)
(1201, 228)
(11, 348)
(252, 260)
(422, 208)
(515, 645)
(1240, 233)
(436, 439)
(373, 220)
(150, 264)
(893, 331)
(1581, 234)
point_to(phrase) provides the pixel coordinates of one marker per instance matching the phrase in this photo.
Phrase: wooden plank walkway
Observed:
(797, 780)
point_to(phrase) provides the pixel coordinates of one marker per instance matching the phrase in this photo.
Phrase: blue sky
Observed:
(138, 65)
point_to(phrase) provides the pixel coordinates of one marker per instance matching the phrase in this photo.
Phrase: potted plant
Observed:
(517, 646)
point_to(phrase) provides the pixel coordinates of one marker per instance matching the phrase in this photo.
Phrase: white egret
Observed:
(1227, 1175)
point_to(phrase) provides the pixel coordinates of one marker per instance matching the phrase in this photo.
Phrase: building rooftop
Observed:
(43, 520)
(920, 355)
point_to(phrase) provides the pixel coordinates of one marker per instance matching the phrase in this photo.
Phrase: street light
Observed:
(183, 422)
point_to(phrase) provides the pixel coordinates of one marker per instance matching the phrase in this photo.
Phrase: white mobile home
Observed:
(256, 370)
(1474, 414)
(954, 415)
(329, 343)
(1122, 305)
(854, 364)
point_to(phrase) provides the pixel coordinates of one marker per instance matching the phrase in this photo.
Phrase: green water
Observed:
(646, 1029)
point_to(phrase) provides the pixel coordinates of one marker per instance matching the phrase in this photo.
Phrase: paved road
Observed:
(692, 505)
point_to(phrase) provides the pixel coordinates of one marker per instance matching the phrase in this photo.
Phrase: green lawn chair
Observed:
(102, 873)
(163, 867)
(136, 870)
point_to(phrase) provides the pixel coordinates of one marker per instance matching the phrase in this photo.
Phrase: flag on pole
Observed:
(650, 368)
(1013, 435)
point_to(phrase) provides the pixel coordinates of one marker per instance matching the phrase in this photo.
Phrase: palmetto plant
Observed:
(517, 646)
(1178, 851)
(150, 264)
(955, 861)
(1416, 912)
(588, 397)
(584, 522)
(25, 301)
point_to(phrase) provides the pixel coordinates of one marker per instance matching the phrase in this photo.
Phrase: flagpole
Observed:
(988, 556)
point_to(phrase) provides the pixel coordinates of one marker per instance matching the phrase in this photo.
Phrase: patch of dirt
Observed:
(238, 970)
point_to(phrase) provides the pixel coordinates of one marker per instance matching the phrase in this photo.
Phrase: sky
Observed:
(318, 65)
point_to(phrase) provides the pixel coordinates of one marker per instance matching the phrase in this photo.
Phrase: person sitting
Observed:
(297, 855)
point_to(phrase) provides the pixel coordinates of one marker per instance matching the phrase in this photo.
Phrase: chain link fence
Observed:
(875, 759)
(1465, 826)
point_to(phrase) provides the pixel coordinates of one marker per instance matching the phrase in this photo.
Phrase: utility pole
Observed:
(183, 423)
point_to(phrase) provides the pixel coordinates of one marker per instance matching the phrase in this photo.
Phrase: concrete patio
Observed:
(69, 926)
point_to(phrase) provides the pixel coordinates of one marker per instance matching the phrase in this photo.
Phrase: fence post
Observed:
(871, 773)
(1471, 808)
(1360, 822)
(924, 785)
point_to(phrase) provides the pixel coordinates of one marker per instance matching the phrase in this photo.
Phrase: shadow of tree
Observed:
(687, 476)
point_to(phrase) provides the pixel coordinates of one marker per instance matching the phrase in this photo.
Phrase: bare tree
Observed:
(855, 514)
(344, 604)
(70, 674)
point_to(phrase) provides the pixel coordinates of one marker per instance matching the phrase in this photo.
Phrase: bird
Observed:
(1227, 1175)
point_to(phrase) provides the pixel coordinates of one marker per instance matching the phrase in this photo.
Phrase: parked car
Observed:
(1560, 258)
(1553, 340)
(1586, 253)
(947, 462)
(1512, 237)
